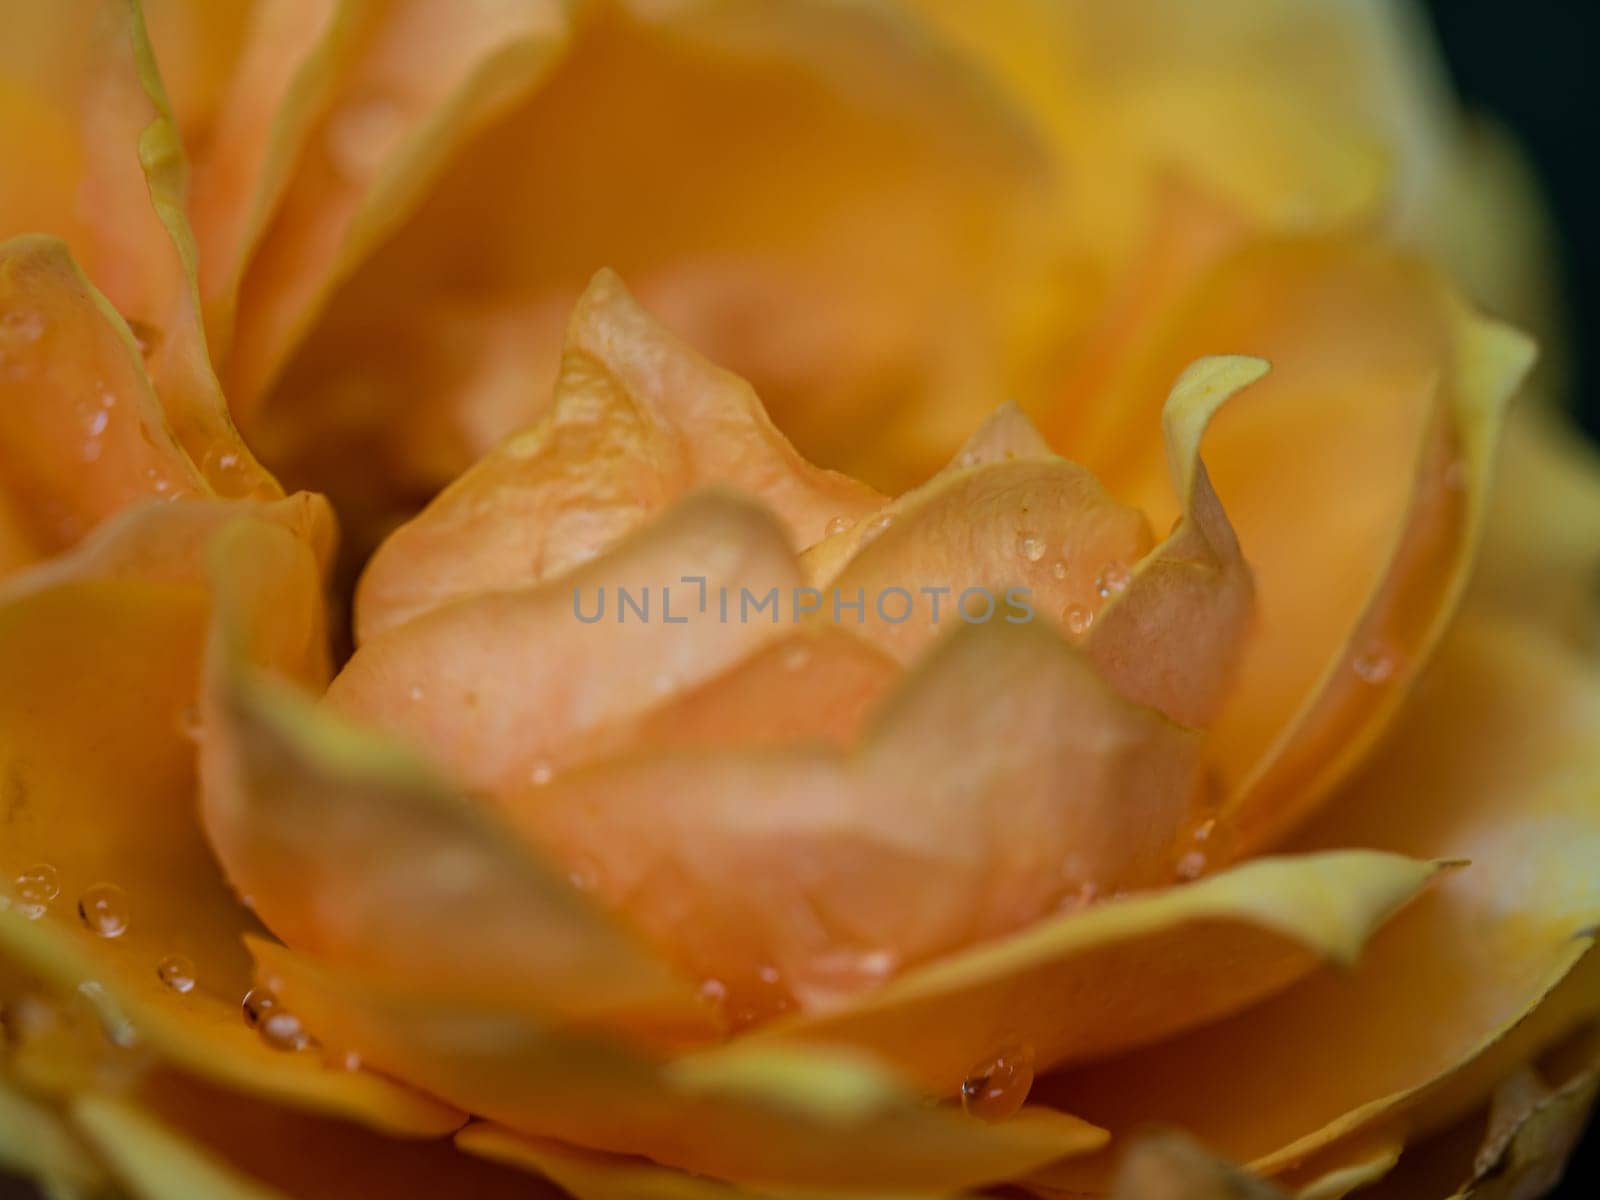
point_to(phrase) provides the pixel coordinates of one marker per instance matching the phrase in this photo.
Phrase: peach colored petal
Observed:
(880, 282)
(1541, 549)
(102, 792)
(1011, 540)
(125, 218)
(354, 851)
(1000, 778)
(418, 82)
(171, 1138)
(1401, 431)
(1172, 636)
(1125, 971)
(587, 1175)
(504, 687)
(637, 421)
(763, 1118)
(81, 432)
(1496, 762)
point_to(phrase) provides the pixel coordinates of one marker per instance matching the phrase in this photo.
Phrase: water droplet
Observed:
(1191, 864)
(282, 1030)
(876, 528)
(177, 972)
(257, 1003)
(1204, 830)
(35, 888)
(713, 991)
(967, 458)
(1077, 619)
(347, 1060)
(104, 909)
(1112, 580)
(98, 422)
(1375, 665)
(997, 1088)
(767, 974)
(541, 773)
(1058, 569)
(360, 136)
(22, 325)
(1030, 547)
(838, 525)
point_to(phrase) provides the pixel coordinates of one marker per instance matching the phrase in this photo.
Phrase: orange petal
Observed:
(880, 284)
(419, 83)
(761, 1117)
(81, 432)
(1002, 777)
(125, 218)
(638, 420)
(1401, 430)
(1126, 971)
(118, 822)
(171, 1138)
(354, 851)
(503, 687)
(1004, 540)
(1171, 638)
(1496, 762)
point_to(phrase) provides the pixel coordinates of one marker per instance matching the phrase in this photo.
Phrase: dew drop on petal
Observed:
(104, 910)
(257, 1003)
(22, 325)
(35, 888)
(282, 1030)
(177, 972)
(1058, 569)
(347, 1060)
(876, 528)
(838, 525)
(1191, 865)
(1112, 579)
(1374, 665)
(1077, 619)
(996, 1088)
(541, 773)
(796, 658)
(1030, 547)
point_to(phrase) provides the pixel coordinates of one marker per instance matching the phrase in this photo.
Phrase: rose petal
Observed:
(506, 686)
(880, 282)
(971, 808)
(353, 850)
(758, 1117)
(124, 815)
(1125, 972)
(1401, 431)
(638, 421)
(1505, 715)
(81, 432)
(171, 1138)
(1172, 637)
(419, 83)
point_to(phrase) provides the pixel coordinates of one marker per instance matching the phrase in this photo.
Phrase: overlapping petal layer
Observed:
(1496, 764)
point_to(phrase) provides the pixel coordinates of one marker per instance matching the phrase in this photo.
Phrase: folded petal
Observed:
(171, 1138)
(1495, 762)
(880, 283)
(1124, 972)
(353, 850)
(417, 84)
(1172, 636)
(507, 687)
(81, 432)
(638, 420)
(1385, 393)
(761, 1117)
(112, 875)
(1002, 777)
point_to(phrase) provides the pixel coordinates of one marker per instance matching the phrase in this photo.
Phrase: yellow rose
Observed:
(873, 788)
